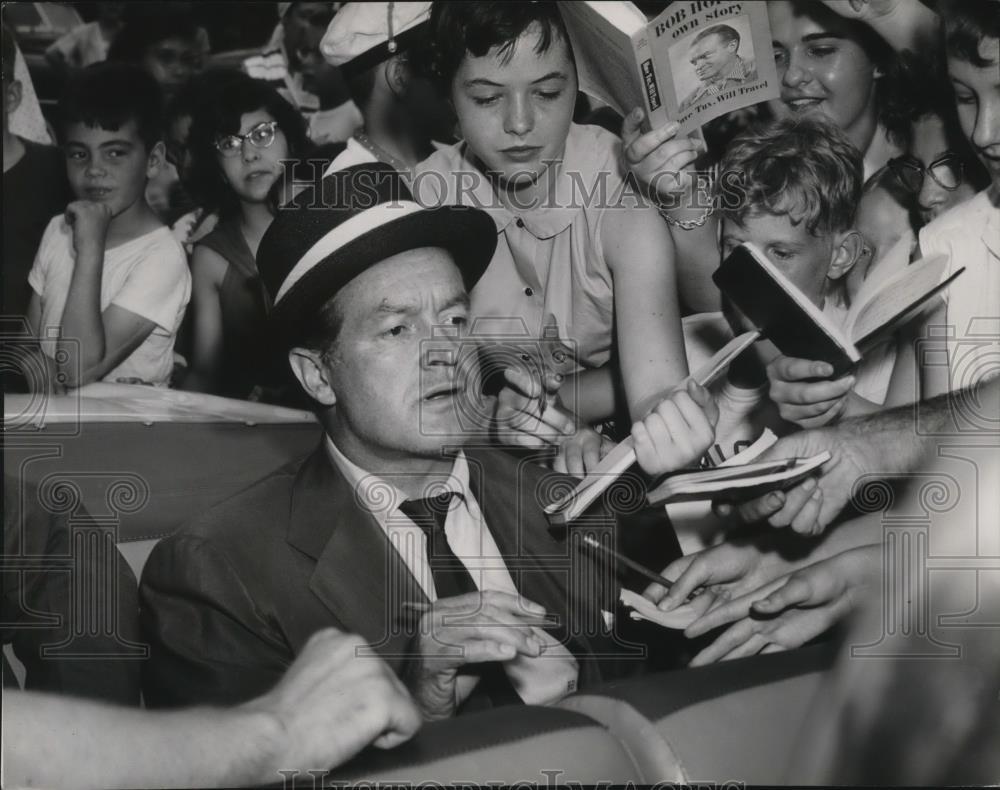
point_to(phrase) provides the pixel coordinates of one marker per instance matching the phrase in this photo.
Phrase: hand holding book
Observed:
(804, 393)
(660, 159)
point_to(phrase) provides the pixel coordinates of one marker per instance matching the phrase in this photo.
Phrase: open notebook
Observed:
(786, 316)
(622, 455)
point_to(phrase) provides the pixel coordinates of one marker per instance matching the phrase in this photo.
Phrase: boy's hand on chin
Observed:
(89, 220)
(803, 399)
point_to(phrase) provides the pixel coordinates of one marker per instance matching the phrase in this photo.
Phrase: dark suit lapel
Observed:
(554, 571)
(359, 576)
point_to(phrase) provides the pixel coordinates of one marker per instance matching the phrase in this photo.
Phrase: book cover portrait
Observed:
(713, 61)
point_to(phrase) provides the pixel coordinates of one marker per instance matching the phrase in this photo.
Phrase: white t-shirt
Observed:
(147, 276)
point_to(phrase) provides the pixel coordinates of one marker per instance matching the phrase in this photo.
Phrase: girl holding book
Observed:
(578, 256)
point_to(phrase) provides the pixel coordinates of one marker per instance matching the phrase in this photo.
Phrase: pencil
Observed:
(641, 569)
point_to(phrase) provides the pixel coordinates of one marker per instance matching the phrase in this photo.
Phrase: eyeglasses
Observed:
(261, 136)
(947, 172)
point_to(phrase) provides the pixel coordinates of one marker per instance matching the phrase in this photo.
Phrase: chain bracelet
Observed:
(686, 224)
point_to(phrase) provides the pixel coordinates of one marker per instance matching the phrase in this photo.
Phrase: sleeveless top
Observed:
(548, 277)
(247, 356)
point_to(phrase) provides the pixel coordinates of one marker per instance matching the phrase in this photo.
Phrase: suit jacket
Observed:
(230, 600)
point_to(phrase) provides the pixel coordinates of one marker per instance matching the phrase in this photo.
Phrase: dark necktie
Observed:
(452, 578)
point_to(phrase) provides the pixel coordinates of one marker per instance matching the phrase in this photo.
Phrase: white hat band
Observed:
(346, 232)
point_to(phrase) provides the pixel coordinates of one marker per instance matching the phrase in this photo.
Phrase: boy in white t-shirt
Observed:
(110, 283)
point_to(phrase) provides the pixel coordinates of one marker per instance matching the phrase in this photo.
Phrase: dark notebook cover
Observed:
(780, 311)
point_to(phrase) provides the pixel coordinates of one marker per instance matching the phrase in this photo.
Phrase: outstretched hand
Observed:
(787, 613)
(331, 703)
(719, 573)
(812, 505)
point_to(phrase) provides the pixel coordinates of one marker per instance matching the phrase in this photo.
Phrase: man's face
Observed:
(712, 57)
(394, 399)
(977, 97)
(802, 257)
(515, 115)
(107, 166)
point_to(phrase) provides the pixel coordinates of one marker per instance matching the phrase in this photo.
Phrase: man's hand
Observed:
(812, 505)
(89, 220)
(801, 399)
(798, 608)
(468, 629)
(656, 158)
(330, 704)
(677, 432)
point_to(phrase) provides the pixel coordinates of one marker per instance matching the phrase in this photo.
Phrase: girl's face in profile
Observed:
(977, 98)
(822, 69)
(930, 147)
(514, 107)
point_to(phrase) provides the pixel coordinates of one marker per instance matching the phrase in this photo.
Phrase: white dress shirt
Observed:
(538, 681)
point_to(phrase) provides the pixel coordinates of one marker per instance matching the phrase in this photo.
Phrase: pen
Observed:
(646, 572)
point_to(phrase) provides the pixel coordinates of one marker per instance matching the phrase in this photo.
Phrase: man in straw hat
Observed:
(443, 561)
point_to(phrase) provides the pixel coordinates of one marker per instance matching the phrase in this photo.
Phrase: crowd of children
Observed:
(130, 250)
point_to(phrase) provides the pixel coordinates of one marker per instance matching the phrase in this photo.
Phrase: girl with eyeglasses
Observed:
(241, 143)
(939, 169)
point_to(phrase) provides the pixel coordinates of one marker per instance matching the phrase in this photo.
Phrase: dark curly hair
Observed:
(458, 28)
(218, 115)
(967, 23)
(108, 95)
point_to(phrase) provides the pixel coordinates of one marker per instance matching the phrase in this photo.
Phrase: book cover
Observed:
(712, 58)
(799, 328)
(697, 60)
(781, 311)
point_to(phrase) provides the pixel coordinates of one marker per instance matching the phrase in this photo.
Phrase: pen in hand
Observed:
(645, 572)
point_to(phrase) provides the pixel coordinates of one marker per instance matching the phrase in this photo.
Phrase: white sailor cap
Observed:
(362, 35)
